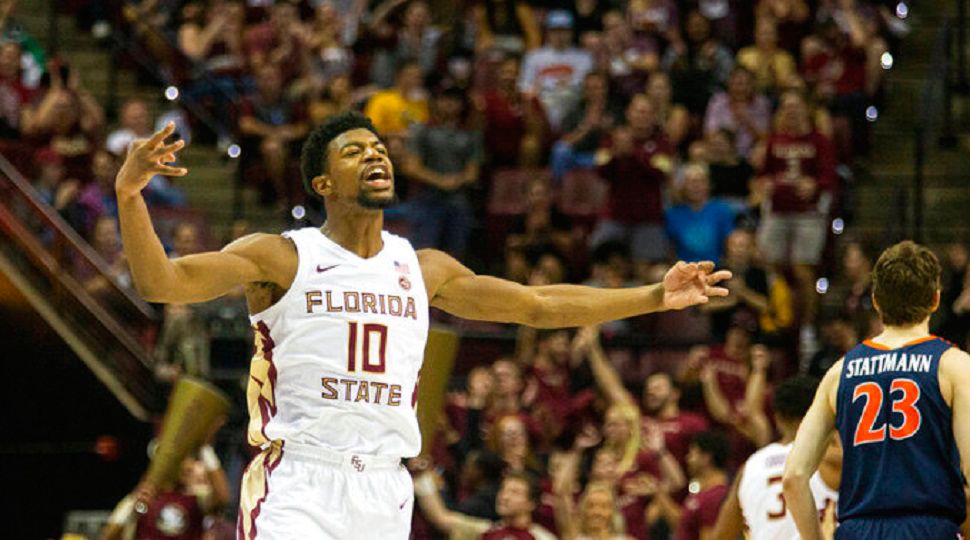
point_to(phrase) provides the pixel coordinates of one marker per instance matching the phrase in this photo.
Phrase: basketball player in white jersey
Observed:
(341, 319)
(756, 501)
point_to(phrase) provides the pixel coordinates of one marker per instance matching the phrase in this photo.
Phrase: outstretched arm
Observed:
(806, 454)
(196, 278)
(454, 288)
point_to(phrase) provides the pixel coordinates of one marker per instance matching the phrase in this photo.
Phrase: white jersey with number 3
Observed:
(337, 357)
(761, 498)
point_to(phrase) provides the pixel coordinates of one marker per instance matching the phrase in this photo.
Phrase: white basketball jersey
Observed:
(337, 357)
(760, 495)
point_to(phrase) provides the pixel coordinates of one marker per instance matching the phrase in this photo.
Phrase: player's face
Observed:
(359, 168)
(513, 498)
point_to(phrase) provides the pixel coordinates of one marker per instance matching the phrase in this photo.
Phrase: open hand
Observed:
(146, 158)
(688, 284)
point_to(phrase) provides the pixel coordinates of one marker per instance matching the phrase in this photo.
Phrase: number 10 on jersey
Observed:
(364, 336)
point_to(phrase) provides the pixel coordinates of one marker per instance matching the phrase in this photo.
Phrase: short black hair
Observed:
(490, 464)
(715, 444)
(313, 161)
(794, 395)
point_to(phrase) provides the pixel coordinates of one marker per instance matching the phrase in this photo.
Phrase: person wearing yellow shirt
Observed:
(393, 110)
(771, 65)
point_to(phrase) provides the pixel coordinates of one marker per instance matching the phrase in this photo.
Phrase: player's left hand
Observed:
(689, 284)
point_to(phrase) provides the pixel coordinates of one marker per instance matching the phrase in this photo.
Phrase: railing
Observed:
(113, 326)
(934, 119)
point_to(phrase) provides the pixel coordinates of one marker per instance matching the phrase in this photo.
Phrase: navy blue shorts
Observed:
(899, 528)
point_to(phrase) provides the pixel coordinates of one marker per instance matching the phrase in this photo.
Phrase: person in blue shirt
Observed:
(698, 226)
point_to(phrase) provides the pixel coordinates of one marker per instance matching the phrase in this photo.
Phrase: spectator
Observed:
(509, 439)
(731, 174)
(515, 122)
(273, 125)
(14, 95)
(325, 51)
(588, 15)
(480, 476)
(213, 39)
(517, 499)
(706, 460)
(446, 158)
(331, 98)
(699, 65)
(415, 39)
(635, 162)
(659, 17)
(508, 25)
(953, 319)
(394, 110)
(673, 116)
(67, 118)
(799, 174)
(106, 242)
(32, 57)
(59, 192)
(595, 516)
(555, 71)
(278, 42)
(839, 336)
(584, 127)
(792, 20)
(741, 110)
(749, 287)
(857, 270)
(542, 227)
(698, 226)
(628, 57)
(770, 65)
(661, 403)
(98, 197)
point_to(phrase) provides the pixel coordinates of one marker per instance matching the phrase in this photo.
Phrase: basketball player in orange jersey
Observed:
(900, 402)
(341, 318)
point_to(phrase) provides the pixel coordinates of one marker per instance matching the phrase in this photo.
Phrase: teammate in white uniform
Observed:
(341, 319)
(755, 501)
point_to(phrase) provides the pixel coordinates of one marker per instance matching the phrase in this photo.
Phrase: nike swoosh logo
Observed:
(322, 269)
(403, 503)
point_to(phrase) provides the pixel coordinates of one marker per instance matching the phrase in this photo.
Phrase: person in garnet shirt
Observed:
(661, 405)
(798, 176)
(515, 122)
(517, 499)
(708, 487)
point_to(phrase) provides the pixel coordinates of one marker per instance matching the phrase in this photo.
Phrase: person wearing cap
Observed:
(556, 70)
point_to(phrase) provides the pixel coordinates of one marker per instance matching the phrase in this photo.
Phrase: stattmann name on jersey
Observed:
(894, 361)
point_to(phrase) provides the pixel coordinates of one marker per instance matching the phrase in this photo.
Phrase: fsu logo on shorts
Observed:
(356, 463)
(404, 282)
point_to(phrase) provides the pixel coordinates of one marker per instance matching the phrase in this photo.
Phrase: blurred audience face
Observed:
(766, 35)
(855, 264)
(617, 427)
(697, 186)
(597, 509)
(512, 435)
(417, 15)
(508, 73)
(740, 85)
(135, 117)
(549, 269)
(283, 15)
(737, 341)
(595, 87)
(697, 461)
(739, 247)
(513, 498)
(10, 60)
(104, 236)
(698, 28)
(185, 239)
(104, 168)
(719, 147)
(658, 88)
(559, 38)
(793, 113)
(604, 467)
(640, 114)
(658, 393)
(616, 31)
(269, 82)
(556, 346)
(449, 108)
(66, 113)
(957, 256)
(508, 378)
(409, 78)
(538, 195)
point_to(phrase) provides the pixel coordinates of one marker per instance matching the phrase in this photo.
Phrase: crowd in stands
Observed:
(584, 141)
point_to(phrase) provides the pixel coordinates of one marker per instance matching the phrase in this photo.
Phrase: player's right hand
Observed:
(146, 158)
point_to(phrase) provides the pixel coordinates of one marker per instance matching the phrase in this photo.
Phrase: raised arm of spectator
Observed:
(379, 16)
(671, 472)
(758, 425)
(92, 115)
(563, 490)
(531, 33)
(195, 42)
(607, 379)
(37, 118)
(858, 34)
(717, 405)
(525, 345)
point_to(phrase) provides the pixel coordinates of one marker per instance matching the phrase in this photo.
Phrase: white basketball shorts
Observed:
(292, 491)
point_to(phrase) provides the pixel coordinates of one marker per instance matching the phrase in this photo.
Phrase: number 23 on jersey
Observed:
(905, 393)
